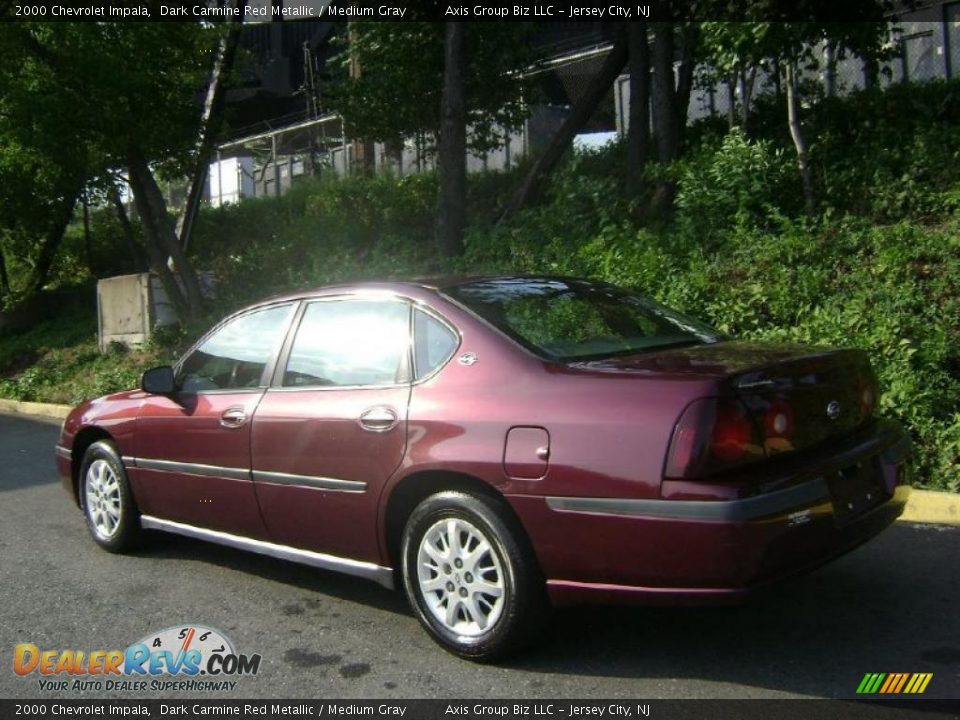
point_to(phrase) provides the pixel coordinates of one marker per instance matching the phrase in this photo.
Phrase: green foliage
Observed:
(358, 227)
(69, 118)
(57, 359)
(395, 91)
(891, 153)
(740, 184)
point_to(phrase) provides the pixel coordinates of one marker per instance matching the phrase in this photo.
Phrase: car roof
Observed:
(401, 286)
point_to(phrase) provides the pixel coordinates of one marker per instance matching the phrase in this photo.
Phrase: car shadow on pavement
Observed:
(24, 440)
(887, 607)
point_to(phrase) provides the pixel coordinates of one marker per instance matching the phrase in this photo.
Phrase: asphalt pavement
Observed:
(891, 606)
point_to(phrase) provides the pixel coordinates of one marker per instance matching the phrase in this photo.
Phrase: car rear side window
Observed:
(235, 355)
(350, 343)
(435, 343)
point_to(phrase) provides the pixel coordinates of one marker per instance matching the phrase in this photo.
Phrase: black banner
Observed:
(484, 709)
(453, 10)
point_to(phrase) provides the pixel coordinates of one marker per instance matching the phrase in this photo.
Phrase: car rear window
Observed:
(578, 320)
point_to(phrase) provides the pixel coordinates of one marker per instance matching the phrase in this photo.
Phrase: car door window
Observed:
(434, 343)
(235, 355)
(350, 343)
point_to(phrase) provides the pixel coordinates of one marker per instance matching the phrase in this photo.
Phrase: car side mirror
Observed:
(158, 381)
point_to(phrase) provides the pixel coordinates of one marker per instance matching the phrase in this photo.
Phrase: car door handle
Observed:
(233, 417)
(378, 419)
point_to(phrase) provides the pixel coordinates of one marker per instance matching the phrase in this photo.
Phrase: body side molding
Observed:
(359, 568)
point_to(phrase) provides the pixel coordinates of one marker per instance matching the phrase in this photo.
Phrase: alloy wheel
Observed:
(460, 577)
(102, 499)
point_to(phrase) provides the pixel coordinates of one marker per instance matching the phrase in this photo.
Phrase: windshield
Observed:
(577, 320)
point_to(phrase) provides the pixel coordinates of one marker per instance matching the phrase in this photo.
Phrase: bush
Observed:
(739, 184)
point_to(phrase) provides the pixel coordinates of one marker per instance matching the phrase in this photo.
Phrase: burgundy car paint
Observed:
(576, 448)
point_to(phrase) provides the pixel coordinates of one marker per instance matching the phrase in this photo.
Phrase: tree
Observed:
(69, 106)
(398, 93)
(210, 120)
(734, 47)
(451, 212)
(42, 165)
(638, 131)
(532, 183)
(415, 79)
(666, 119)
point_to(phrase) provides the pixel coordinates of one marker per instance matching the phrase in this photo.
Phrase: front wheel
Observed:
(111, 513)
(470, 576)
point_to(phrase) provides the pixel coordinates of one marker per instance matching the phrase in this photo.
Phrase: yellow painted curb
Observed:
(926, 506)
(47, 410)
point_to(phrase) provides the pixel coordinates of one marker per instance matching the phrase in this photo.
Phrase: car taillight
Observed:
(712, 434)
(732, 432)
(778, 420)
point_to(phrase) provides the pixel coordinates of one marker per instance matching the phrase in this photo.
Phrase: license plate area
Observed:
(855, 489)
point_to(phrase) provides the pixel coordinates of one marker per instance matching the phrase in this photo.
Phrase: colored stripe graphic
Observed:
(891, 680)
(894, 683)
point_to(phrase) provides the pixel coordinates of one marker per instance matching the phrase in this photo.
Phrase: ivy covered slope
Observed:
(877, 266)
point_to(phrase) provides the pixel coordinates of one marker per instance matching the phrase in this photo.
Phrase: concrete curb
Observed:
(924, 506)
(45, 410)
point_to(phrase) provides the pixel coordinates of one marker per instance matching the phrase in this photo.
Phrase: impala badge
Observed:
(833, 409)
(468, 358)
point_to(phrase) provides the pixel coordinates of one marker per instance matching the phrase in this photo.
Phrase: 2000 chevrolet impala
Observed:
(495, 445)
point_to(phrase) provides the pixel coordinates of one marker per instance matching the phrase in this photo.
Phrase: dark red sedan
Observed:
(496, 445)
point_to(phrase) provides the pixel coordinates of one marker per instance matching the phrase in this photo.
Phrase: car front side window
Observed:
(350, 343)
(235, 355)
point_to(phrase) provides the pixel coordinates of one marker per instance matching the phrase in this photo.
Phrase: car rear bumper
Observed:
(706, 551)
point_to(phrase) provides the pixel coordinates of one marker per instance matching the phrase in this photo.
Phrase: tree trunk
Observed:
(532, 184)
(63, 211)
(160, 239)
(209, 124)
(731, 102)
(87, 238)
(364, 151)
(871, 73)
(4, 278)
(638, 133)
(664, 94)
(796, 132)
(136, 252)
(451, 212)
(747, 81)
(688, 62)
(830, 61)
(665, 118)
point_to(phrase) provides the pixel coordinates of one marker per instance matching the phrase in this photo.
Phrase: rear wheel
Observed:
(470, 576)
(108, 505)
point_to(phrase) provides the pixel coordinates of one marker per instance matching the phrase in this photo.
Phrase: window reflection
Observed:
(236, 355)
(350, 343)
(571, 320)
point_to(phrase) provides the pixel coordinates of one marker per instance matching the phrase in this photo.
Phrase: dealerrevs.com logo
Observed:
(183, 657)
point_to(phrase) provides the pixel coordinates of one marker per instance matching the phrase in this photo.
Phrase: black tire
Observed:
(104, 481)
(506, 623)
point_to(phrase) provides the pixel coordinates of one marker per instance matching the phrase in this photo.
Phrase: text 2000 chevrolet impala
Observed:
(495, 445)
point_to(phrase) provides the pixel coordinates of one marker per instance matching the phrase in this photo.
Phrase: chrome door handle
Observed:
(378, 419)
(233, 417)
